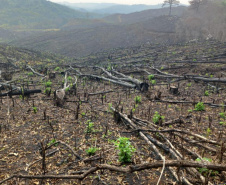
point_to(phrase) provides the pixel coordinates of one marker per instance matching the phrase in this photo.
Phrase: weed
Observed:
(199, 106)
(222, 115)
(138, 99)
(91, 151)
(206, 93)
(151, 77)
(35, 110)
(48, 84)
(208, 132)
(52, 142)
(57, 69)
(69, 78)
(47, 90)
(157, 117)
(30, 74)
(204, 171)
(189, 84)
(90, 126)
(125, 148)
(109, 107)
(153, 82)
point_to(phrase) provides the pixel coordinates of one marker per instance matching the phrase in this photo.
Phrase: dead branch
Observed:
(109, 80)
(129, 169)
(39, 74)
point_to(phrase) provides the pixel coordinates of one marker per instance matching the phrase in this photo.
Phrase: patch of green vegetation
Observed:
(222, 115)
(151, 77)
(48, 84)
(90, 126)
(125, 148)
(189, 84)
(47, 90)
(30, 74)
(91, 151)
(137, 99)
(199, 106)
(153, 82)
(35, 109)
(57, 69)
(206, 93)
(157, 117)
(204, 171)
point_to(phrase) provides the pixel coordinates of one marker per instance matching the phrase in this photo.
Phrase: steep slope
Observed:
(144, 15)
(35, 14)
(81, 42)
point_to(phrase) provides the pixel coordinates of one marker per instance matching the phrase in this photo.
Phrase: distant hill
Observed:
(110, 8)
(88, 6)
(126, 9)
(143, 15)
(80, 40)
(35, 14)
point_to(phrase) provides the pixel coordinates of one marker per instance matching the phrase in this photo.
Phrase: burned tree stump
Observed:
(174, 90)
(52, 75)
(144, 87)
(7, 76)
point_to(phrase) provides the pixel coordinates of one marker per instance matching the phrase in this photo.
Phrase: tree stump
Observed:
(52, 75)
(7, 76)
(174, 90)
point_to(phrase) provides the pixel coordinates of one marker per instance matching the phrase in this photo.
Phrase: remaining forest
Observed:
(134, 98)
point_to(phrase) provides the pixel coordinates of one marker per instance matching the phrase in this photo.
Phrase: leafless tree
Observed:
(195, 4)
(170, 3)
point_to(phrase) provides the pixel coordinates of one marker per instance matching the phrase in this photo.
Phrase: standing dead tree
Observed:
(170, 3)
(60, 93)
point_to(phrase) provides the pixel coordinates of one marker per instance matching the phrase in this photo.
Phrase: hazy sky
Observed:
(119, 1)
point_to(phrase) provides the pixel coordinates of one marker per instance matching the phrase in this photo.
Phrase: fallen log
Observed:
(25, 92)
(109, 80)
(138, 84)
(39, 74)
(129, 169)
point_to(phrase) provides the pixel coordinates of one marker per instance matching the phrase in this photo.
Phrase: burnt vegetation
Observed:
(144, 102)
(147, 114)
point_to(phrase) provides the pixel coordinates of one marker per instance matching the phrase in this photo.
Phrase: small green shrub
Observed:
(151, 77)
(206, 93)
(208, 132)
(138, 99)
(35, 109)
(153, 82)
(52, 142)
(125, 148)
(157, 117)
(222, 115)
(57, 69)
(48, 84)
(204, 171)
(67, 89)
(200, 106)
(90, 126)
(91, 151)
(47, 90)
(69, 78)
(189, 84)
(30, 74)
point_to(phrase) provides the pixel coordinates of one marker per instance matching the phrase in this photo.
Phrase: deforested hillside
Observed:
(137, 115)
